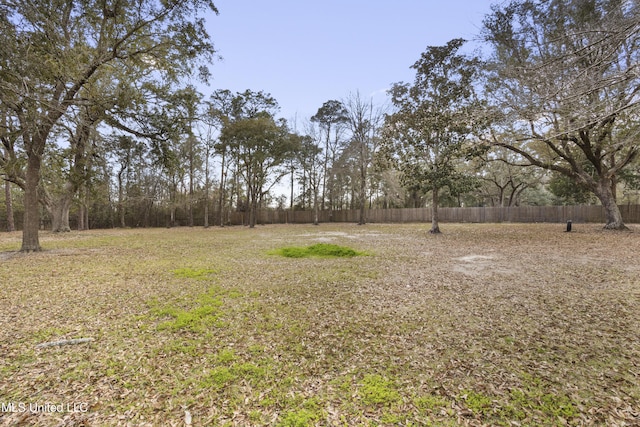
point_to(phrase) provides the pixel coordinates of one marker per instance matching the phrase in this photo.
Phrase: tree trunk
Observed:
(315, 206)
(363, 181)
(222, 184)
(59, 211)
(77, 179)
(252, 203)
(253, 207)
(190, 207)
(191, 178)
(303, 196)
(83, 210)
(324, 166)
(31, 224)
(121, 198)
(292, 184)
(123, 223)
(11, 225)
(85, 215)
(612, 213)
(435, 228)
(206, 190)
(147, 212)
(362, 220)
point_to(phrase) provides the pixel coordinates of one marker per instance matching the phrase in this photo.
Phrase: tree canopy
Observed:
(259, 143)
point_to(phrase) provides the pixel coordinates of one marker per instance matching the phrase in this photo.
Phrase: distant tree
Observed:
(364, 121)
(5, 160)
(209, 150)
(9, 164)
(222, 149)
(187, 103)
(566, 84)
(58, 198)
(435, 117)
(630, 178)
(220, 112)
(391, 193)
(504, 181)
(331, 117)
(122, 153)
(567, 191)
(261, 146)
(344, 174)
(309, 158)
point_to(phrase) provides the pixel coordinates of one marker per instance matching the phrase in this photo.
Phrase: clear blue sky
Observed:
(304, 53)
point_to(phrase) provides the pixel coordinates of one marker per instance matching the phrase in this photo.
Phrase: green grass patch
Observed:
(206, 313)
(225, 356)
(430, 403)
(307, 415)
(319, 250)
(537, 396)
(377, 390)
(534, 397)
(218, 378)
(194, 273)
(478, 403)
(299, 418)
(182, 347)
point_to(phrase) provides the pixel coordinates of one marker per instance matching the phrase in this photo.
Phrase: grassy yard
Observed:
(507, 325)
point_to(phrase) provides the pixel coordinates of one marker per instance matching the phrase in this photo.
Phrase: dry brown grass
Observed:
(484, 325)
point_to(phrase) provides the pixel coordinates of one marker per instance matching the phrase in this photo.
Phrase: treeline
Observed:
(99, 129)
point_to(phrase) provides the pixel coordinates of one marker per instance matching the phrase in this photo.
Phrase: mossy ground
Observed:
(483, 325)
(320, 250)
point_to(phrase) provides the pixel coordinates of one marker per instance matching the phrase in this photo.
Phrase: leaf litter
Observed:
(504, 324)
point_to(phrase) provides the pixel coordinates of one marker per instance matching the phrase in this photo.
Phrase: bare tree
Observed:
(364, 121)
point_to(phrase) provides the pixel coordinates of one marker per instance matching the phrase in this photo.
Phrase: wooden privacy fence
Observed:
(577, 214)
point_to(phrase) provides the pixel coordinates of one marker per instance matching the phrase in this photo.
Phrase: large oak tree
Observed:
(54, 49)
(566, 85)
